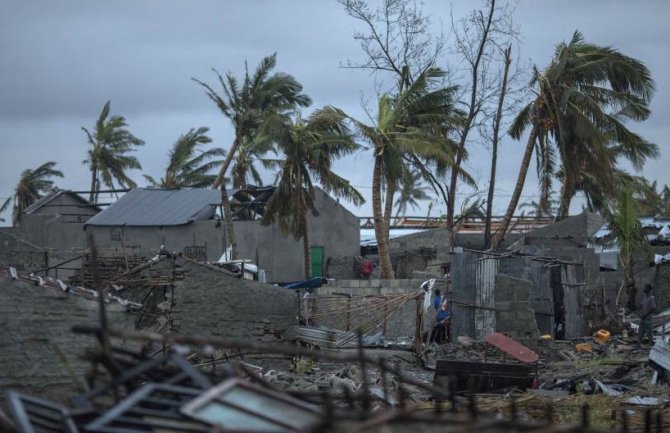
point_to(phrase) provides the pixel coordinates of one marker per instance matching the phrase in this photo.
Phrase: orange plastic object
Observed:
(602, 336)
(513, 348)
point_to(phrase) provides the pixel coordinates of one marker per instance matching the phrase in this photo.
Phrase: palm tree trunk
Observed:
(226, 163)
(382, 241)
(305, 244)
(489, 199)
(628, 264)
(388, 209)
(225, 202)
(566, 197)
(499, 235)
(228, 222)
(494, 145)
(94, 175)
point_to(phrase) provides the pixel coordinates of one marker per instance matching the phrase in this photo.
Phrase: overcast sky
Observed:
(61, 60)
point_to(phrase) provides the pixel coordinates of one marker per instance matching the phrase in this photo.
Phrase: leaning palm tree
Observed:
(412, 189)
(584, 99)
(247, 106)
(310, 148)
(32, 185)
(189, 166)
(415, 123)
(107, 158)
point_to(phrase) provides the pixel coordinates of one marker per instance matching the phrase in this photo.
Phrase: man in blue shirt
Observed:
(442, 305)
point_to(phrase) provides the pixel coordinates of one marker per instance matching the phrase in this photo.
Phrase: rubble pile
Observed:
(197, 385)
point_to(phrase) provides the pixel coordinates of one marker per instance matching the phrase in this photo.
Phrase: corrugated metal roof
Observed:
(159, 207)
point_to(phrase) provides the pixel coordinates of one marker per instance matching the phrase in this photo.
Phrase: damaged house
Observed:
(55, 221)
(188, 221)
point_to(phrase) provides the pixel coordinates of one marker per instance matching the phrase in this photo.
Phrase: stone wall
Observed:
(514, 316)
(35, 329)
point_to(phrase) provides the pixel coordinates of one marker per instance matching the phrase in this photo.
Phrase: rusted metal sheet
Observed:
(486, 269)
(512, 348)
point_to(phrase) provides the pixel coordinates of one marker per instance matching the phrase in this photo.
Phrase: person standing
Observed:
(648, 310)
(442, 306)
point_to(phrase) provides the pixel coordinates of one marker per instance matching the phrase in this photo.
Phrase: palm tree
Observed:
(107, 158)
(416, 122)
(250, 151)
(247, 106)
(32, 185)
(583, 100)
(412, 189)
(625, 227)
(189, 166)
(310, 147)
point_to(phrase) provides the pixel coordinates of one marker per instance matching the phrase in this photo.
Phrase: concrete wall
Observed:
(430, 250)
(573, 231)
(49, 232)
(146, 241)
(28, 257)
(34, 323)
(68, 209)
(514, 316)
(401, 323)
(335, 229)
(541, 297)
(210, 302)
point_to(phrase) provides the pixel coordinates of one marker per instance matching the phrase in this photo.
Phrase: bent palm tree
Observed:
(584, 98)
(31, 187)
(107, 158)
(414, 123)
(189, 166)
(247, 105)
(310, 147)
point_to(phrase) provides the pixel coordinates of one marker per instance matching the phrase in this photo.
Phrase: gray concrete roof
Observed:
(159, 207)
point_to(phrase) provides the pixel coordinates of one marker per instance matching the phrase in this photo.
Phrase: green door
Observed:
(317, 262)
